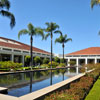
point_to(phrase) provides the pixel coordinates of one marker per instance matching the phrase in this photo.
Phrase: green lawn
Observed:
(94, 94)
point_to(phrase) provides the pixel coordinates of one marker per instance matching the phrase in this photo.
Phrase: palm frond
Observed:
(22, 32)
(47, 35)
(30, 28)
(65, 36)
(67, 40)
(4, 4)
(99, 33)
(9, 15)
(39, 31)
(54, 26)
(58, 32)
(94, 2)
(58, 40)
(51, 26)
(47, 24)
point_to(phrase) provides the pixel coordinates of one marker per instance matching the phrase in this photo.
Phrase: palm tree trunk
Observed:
(63, 52)
(51, 62)
(31, 39)
(51, 53)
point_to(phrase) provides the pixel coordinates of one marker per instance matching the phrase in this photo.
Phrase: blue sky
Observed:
(75, 18)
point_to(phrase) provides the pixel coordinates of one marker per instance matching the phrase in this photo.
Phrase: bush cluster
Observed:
(78, 90)
(62, 65)
(9, 65)
(54, 64)
(44, 66)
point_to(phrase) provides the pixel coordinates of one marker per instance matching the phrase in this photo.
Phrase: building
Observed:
(85, 56)
(11, 50)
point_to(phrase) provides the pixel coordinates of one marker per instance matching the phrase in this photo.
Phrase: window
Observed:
(6, 49)
(25, 52)
(17, 50)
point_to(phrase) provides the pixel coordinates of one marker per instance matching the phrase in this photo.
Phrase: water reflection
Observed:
(19, 84)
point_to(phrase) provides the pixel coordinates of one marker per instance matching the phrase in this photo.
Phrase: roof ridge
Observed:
(83, 50)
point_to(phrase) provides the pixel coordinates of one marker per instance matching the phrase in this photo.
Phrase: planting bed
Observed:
(77, 90)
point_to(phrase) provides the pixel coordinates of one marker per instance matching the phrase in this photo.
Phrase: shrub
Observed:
(61, 96)
(54, 64)
(45, 61)
(72, 62)
(44, 66)
(37, 60)
(27, 60)
(62, 61)
(78, 90)
(62, 65)
(9, 65)
(56, 59)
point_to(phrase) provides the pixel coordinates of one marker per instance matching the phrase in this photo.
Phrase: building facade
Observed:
(85, 56)
(11, 50)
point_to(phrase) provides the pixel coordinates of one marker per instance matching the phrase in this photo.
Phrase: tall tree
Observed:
(94, 2)
(62, 39)
(51, 28)
(31, 31)
(4, 11)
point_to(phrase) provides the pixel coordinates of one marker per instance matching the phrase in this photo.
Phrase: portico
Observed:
(85, 56)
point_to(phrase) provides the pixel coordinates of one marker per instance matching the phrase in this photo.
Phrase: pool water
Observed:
(40, 80)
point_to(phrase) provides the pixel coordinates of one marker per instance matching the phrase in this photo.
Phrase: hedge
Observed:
(9, 65)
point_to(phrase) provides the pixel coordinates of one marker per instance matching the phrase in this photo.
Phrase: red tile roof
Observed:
(87, 51)
(21, 46)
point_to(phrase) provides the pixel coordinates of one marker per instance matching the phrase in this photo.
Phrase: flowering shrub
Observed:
(78, 90)
(61, 96)
(82, 87)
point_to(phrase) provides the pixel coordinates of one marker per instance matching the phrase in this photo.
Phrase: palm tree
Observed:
(94, 2)
(51, 28)
(62, 39)
(4, 11)
(31, 31)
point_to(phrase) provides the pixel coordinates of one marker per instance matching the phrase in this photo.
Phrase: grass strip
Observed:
(94, 93)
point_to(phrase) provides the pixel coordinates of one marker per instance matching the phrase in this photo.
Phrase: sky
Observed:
(75, 18)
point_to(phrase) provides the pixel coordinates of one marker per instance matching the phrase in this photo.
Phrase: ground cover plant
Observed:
(94, 93)
(77, 90)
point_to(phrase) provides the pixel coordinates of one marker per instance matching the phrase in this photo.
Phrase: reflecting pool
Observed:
(19, 84)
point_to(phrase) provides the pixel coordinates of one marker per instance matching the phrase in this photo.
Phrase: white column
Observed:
(68, 70)
(68, 62)
(86, 61)
(77, 62)
(77, 70)
(85, 69)
(12, 57)
(95, 60)
(23, 60)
